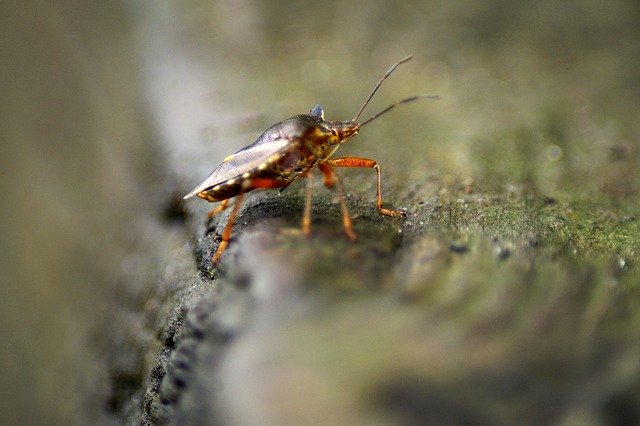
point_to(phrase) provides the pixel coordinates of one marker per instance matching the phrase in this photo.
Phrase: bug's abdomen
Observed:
(224, 190)
(244, 183)
(276, 172)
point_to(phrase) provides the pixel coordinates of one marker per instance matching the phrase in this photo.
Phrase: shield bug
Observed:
(290, 149)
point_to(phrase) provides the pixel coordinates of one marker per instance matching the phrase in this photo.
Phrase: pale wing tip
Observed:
(192, 193)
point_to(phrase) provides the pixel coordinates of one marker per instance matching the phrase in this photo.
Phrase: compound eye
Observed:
(317, 112)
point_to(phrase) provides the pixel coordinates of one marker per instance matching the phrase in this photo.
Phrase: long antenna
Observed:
(375, 89)
(404, 101)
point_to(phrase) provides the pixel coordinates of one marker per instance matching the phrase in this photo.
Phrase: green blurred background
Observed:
(111, 109)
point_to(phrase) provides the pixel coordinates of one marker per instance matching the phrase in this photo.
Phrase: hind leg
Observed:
(223, 206)
(226, 233)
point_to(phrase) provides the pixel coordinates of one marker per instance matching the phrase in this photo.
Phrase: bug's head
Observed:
(342, 130)
(334, 132)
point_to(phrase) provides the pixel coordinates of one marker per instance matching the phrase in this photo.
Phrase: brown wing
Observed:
(243, 161)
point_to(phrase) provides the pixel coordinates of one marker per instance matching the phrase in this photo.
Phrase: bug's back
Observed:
(276, 154)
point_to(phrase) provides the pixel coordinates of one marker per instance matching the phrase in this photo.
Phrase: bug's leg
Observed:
(371, 164)
(226, 233)
(331, 179)
(223, 205)
(306, 215)
(328, 174)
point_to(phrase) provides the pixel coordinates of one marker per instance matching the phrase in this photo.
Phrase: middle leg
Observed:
(331, 179)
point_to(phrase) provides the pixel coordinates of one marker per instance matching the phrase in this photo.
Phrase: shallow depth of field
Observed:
(510, 292)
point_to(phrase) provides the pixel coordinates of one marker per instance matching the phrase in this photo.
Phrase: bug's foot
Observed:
(349, 233)
(392, 213)
(216, 256)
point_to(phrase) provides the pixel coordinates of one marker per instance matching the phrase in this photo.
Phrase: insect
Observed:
(288, 150)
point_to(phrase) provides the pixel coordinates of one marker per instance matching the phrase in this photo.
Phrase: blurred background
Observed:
(110, 111)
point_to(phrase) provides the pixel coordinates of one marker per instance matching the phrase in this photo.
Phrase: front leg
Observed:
(370, 164)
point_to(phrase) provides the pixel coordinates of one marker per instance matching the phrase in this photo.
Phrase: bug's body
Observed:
(279, 155)
(285, 151)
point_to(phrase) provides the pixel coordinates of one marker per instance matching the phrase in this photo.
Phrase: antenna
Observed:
(404, 101)
(375, 89)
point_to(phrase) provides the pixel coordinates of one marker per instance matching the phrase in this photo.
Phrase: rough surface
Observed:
(516, 325)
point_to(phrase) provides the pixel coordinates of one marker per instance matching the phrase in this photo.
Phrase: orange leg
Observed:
(331, 179)
(329, 175)
(371, 164)
(218, 209)
(306, 215)
(226, 233)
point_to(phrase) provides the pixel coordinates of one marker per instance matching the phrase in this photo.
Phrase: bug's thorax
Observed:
(324, 137)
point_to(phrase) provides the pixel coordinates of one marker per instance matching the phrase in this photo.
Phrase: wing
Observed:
(245, 160)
